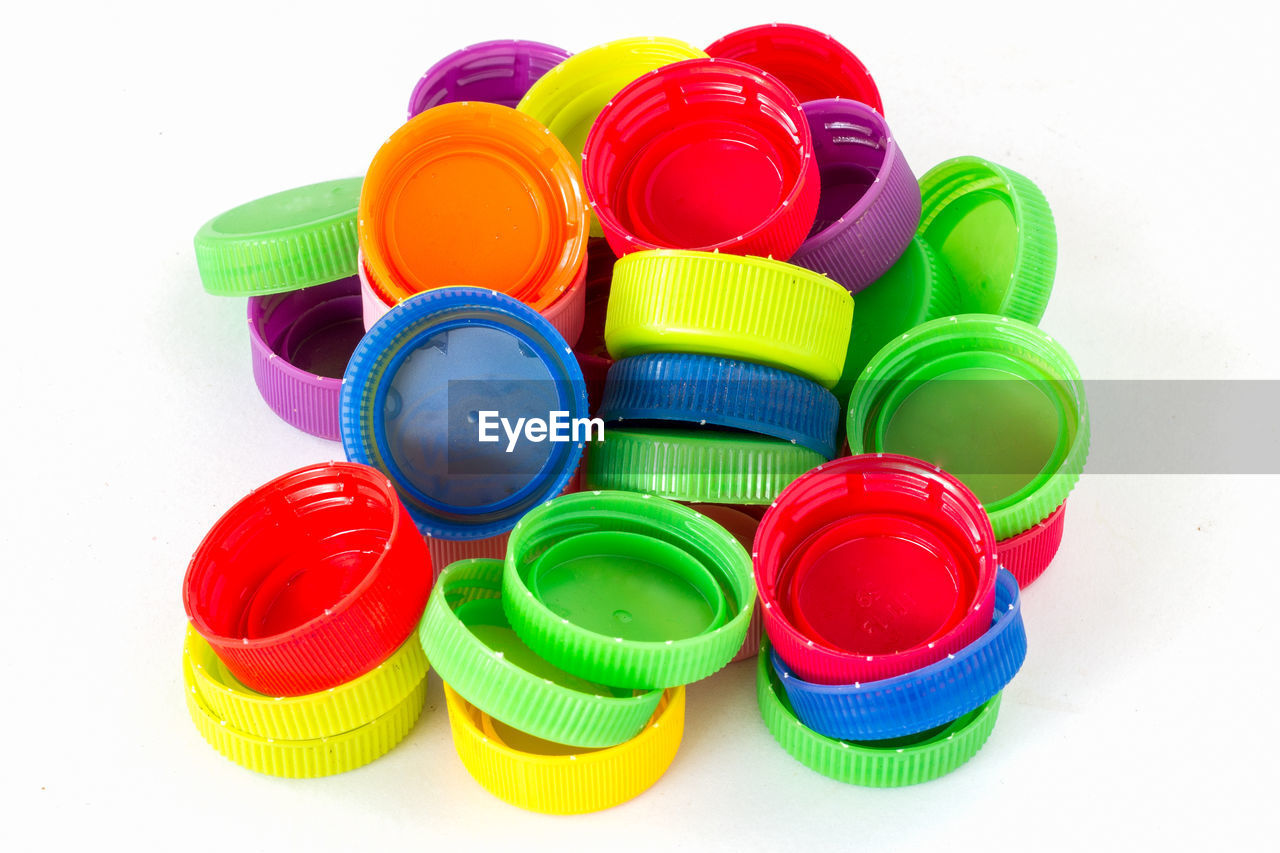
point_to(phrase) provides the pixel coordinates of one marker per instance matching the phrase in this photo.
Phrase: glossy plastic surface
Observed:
(881, 614)
(300, 342)
(554, 779)
(995, 401)
(473, 647)
(703, 390)
(995, 231)
(496, 72)
(919, 700)
(310, 581)
(413, 396)
(703, 154)
(664, 655)
(472, 194)
(285, 241)
(812, 64)
(869, 206)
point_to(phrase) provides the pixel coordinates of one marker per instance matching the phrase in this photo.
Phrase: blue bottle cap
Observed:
(426, 396)
(715, 391)
(917, 701)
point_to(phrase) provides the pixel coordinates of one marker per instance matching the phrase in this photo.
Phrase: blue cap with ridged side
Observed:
(427, 392)
(714, 391)
(917, 701)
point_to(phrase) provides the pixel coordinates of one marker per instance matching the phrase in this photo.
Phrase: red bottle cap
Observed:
(1029, 553)
(890, 561)
(705, 154)
(876, 552)
(812, 64)
(310, 581)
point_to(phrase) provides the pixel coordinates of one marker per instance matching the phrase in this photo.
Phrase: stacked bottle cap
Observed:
(718, 391)
(569, 98)
(475, 194)
(671, 240)
(1001, 405)
(891, 629)
(302, 599)
(565, 663)
(293, 254)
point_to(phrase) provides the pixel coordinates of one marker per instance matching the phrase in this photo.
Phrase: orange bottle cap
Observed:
(473, 194)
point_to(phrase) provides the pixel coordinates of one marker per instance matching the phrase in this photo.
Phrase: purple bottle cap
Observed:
(301, 341)
(869, 205)
(496, 72)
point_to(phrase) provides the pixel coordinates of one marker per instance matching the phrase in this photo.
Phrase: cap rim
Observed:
(504, 690)
(568, 784)
(277, 260)
(976, 332)
(1026, 296)
(865, 763)
(415, 316)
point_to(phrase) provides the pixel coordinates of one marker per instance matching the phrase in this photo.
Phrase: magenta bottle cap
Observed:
(496, 72)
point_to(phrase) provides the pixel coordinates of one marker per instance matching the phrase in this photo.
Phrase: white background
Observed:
(1145, 712)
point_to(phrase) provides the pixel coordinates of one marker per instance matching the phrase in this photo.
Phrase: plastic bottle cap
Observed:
(422, 381)
(703, 154)
(812, 64)
(877, 764)
(310, 581)
(553, 779)
(466, 634)
(917, 701)
(1030, 552)
(754, 309)
(473, 194)
(916, 289)
(667, 593)
(995, 401)
(883, 615)
(300, 343)
(316, 715)
(308, 758)
(995, 231)
(869, 559)
(699, 466)
(286, 241)
(494, 72)
(869, 206)
(721, 392)
(606, 625)
(569, 97)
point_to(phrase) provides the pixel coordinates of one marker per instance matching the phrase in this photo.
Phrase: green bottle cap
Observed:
(697, 466)
(993, 401)
(612, 613)
(995, 231)
(287, 241)
(468, 639)
(892, 763)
